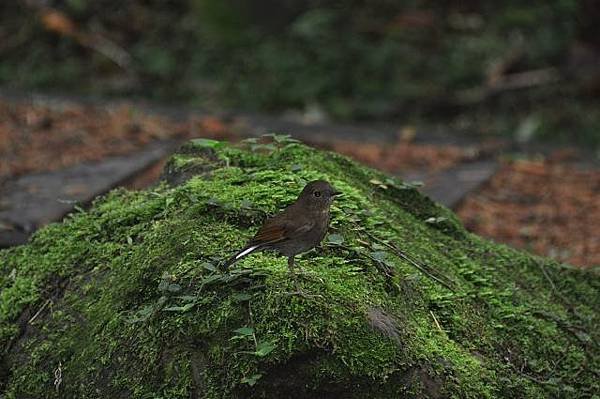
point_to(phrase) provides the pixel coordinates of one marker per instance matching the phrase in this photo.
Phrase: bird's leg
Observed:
(299, 290)
(293, 273)
(291, 265)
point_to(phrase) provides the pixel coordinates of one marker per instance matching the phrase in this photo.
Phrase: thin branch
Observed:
(554, 289)
(59, 23)
(421, 268)
(39, 311)
(252, 324)
(435, 320)
(514, 81)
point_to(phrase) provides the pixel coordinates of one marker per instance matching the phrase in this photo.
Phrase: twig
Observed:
(562, 324)
(421, 268)
(57, 22)
(559, 361)
(520, 80)
(39, 311)
(532, 378)
(435, 320)
(109, 49)
(554, 289)
(252, 323)
(58, 376)
(514, 81)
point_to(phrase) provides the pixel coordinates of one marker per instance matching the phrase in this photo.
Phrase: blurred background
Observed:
(493, 105)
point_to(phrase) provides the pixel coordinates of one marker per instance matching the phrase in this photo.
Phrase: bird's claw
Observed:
(303, 294)
(299, 291)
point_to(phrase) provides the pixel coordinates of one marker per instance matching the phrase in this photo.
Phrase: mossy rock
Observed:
(124, 300)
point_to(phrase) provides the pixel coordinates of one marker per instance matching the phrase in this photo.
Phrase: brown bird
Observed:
(298, 228)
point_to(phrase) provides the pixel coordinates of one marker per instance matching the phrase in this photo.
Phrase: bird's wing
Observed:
(277, 229)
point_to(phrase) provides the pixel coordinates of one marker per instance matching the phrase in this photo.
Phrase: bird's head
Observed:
(318, 194)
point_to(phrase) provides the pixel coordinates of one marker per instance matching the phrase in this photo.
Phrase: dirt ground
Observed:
(550, 207)
(37, 138)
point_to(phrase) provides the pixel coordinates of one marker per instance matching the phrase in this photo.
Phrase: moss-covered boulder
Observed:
(124, 300)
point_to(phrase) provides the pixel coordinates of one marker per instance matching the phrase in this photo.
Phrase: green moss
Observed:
(125, 297)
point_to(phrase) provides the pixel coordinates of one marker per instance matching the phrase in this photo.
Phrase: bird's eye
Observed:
(317, 193)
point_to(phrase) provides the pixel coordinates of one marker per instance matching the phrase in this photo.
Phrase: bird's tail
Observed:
(239, 255)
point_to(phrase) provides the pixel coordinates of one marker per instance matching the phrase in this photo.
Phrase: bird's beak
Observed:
(336, 193)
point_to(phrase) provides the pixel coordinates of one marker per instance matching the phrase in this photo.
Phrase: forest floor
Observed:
(545, 202)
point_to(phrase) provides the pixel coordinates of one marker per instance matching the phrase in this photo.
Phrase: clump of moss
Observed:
(126, 300)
